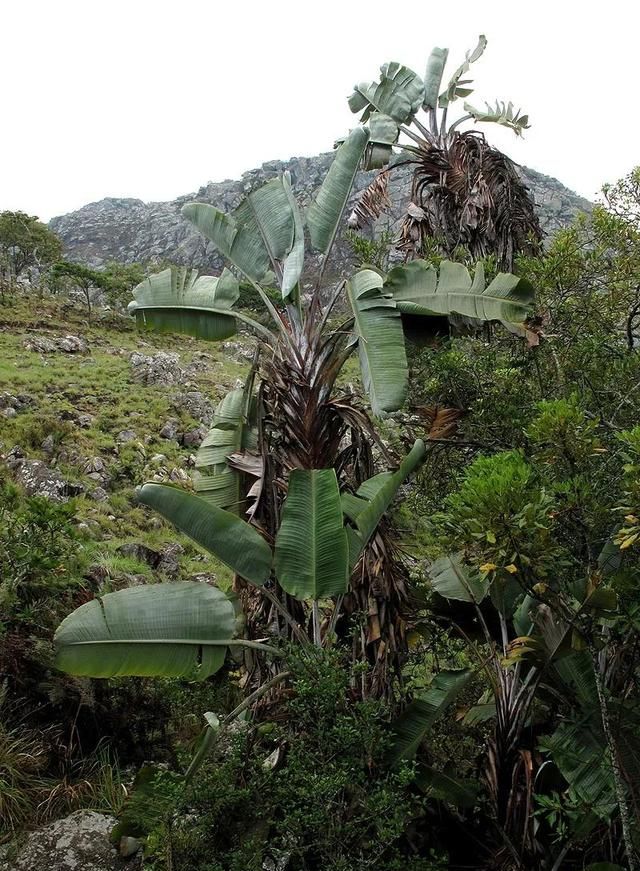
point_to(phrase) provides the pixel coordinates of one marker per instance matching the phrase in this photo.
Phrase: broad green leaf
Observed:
(454, 89)
(578, 749)
(160, 630)
(325, 212)
(236, 236)
(383, 132)
(399, 94)
(453, 580)
(417, 289)
(177, 300)
(500, 114)
(311, 551)
(445, 786)
(412, 726)
(610, 557)
(235, 543)
(294, 262)
(373, 499)
(480, 713)
(378, 325)
(433, 77)
(214, 479)
(274, 218)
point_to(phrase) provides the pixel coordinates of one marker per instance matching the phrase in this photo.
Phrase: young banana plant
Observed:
(291, 452)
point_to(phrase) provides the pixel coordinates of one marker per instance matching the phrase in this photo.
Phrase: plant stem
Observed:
(618, 780)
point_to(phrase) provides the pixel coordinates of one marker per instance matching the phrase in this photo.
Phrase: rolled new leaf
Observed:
(161, 630)
(235, 543)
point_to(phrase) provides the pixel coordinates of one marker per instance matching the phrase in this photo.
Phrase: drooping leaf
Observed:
(378, 325)
(433, 77)
(325, 212)
(418, 290)
(235, 543)
(454, 89)
(578, 749)
(373, 200)
(413, 724)
(444, 785)
(177, 300)
(311, 550)
(373, 499)
(383, 134)
(500, 114)
(398, 93)
(453, 580)
(161, 630)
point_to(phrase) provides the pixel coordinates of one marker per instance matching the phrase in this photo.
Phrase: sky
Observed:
(152, 99)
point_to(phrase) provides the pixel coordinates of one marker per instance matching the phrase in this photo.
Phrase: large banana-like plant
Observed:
(465, 193)
(286, 490)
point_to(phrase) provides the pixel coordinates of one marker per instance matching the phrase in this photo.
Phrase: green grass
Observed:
(101, 384)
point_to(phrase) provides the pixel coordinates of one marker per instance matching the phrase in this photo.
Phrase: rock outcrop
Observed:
(79, 842)
(130, 230)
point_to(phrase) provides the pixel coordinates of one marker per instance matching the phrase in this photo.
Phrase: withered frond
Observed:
(373, 201)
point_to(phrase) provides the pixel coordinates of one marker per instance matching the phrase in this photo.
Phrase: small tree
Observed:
(25, 243)
(81, 277)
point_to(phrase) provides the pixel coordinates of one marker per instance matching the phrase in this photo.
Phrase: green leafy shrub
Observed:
(311, 784)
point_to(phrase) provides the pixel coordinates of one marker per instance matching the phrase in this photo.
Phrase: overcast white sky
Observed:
(151, 99)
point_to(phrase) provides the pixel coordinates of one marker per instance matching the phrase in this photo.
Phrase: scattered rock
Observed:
(204, 578)
(178, 476)
(96, 574)
(79, 842)
(39, 480)
(238, 351)
(126, 436)
(99, 494)
(9, 412)
(84, 420)
(48, 445)
(195, 437)
(171, 429)
(158, 459)
(65, 344)
(15, 457)
(94, 465)
(162, 368)
(165, 561)
(18, 403)
(196, 404)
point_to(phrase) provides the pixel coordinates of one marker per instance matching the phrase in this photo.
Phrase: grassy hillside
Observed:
(84, 411)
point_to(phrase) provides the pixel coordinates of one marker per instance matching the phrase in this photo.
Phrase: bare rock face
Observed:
(79, 842)
(162, 368)
(130, 230)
